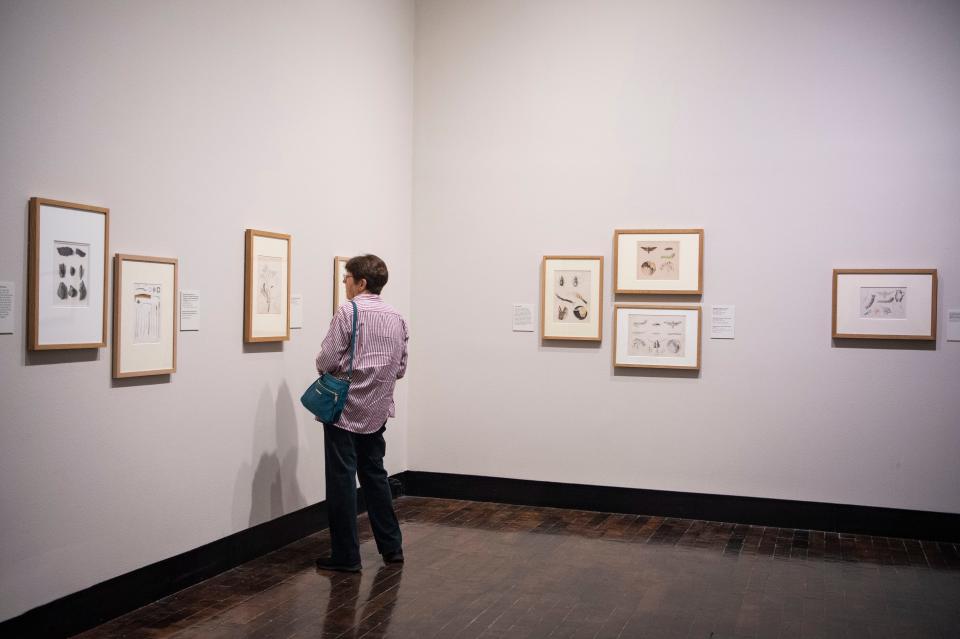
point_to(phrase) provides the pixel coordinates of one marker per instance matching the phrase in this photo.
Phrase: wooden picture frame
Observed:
(657, 336)
(658, 261)
(145, 304)
(884, 304)
(266, 288)
(68, 253)
(339, 288)
(573, 284)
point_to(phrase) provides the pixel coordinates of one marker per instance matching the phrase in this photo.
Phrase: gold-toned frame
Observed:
(616, 261)
(118, 260)
(248, 281)
(336, 281)
(932, 272)
(33, 274)
(543, 298)
(659, 307)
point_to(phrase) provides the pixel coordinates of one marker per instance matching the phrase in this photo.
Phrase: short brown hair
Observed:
(370, 268)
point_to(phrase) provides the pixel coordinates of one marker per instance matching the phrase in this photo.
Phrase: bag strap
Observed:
(353, 340)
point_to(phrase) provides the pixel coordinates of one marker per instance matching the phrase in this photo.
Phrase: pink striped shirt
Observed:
(379, 361)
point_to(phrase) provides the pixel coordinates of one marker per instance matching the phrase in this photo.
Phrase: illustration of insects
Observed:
(672, 323)
(649, 249)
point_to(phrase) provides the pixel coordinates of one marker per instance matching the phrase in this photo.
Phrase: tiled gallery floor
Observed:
(489, 570)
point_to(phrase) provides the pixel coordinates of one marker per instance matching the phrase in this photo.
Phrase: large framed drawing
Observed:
(571, 297)
(67, 274)
(656, 336)
(266, 313)
(665, 262)
(885, 304)
(144, 315)
(339, 287)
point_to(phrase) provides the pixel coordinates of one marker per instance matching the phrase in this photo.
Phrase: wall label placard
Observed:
(296, 310)
(7, 307)
(189, 310)
(523, 318)
(953, 325)
(722, 321)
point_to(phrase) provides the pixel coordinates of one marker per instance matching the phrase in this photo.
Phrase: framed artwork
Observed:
(266, 312)
(665, 262)
(571, 297)
(885, 304)
(144, 315)
(339, 288)
(656, 336)
(67, 275)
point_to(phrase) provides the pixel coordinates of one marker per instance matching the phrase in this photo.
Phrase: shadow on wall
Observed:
(272, 486)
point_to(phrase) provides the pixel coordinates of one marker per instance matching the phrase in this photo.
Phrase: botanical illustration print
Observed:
(884, 302)
(268, 284)
(146, 325)
(71, 271)
(571, 290)
(656, 335)
(658, 260)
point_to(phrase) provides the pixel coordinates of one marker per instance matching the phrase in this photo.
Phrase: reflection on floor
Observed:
(489, 570)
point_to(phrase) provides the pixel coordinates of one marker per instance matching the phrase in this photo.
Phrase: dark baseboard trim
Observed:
(841, 518)
(110, 599)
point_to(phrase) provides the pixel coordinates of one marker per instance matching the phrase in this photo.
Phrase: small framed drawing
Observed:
(885, 304)
(665, 262)
(571, 302)
(144, 316)
(656, 336)
(67, 274)
(339, 287)
(266, 312)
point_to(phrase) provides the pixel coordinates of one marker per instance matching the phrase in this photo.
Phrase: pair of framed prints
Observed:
(664, 262)
(67, 292)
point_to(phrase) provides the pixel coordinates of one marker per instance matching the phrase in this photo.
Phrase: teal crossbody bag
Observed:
(327, 396)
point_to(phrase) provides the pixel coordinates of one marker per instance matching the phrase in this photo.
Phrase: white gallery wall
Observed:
(191, 121)
(802, 136)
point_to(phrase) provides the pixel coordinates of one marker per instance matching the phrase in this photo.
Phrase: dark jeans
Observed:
(348, 455)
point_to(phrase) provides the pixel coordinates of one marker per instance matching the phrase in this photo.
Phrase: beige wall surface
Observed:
(802, 136)
(191, 121)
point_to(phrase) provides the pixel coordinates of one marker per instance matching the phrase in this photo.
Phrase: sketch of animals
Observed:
(70, 266)
(648, 337)
(572, 290)
(883, 302)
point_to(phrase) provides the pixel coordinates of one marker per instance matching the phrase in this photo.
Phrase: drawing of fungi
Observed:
(883, 302)
(571, 291)
(71, 268)
(656, 335)
(268, 284)
(146, 324)
(658, 260)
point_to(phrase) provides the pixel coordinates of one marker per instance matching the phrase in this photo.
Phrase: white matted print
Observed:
(656, 336)
(266, 315)
(885, 303)
(144, 315)
(658, 261)
(571, 303)
(67, 303)
(339, 286)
